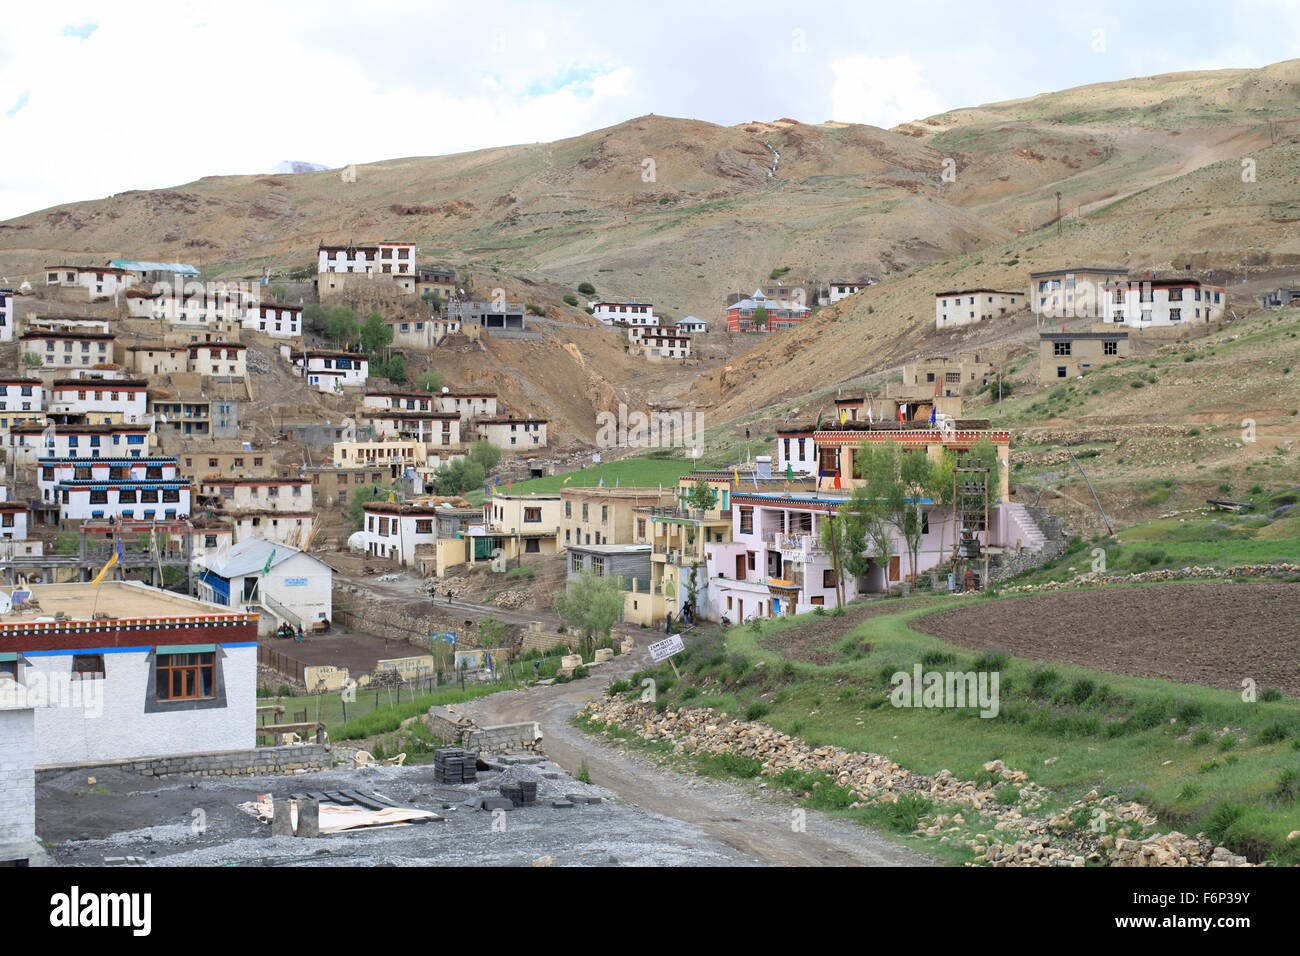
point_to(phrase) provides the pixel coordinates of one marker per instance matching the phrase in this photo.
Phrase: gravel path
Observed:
(757, 826)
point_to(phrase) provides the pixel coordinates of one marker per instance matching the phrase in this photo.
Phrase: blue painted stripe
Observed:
(116, 650)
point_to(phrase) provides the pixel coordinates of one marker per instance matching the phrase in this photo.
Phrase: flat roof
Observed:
(118, 599)
(1088, 270)
(968, 291)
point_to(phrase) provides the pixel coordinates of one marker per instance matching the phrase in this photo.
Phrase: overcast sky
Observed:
(99, 98)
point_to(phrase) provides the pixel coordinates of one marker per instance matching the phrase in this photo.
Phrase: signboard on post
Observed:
(660, 651)
(664, 650)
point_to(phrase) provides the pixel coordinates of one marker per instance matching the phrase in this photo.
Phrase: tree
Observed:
(376, 334)
(917, 475)
(702, 496)
(32, 360)
(395, 370)
(341, 325)
(430, 380)
(362, 497)
(485, 455)
(590, 606)
(458, 477)
(586, 288)
(315, 318)
(492, 633)
(433, 300)
(760, 317)
(278, 292)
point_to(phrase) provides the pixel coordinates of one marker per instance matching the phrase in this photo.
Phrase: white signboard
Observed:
(663, 650)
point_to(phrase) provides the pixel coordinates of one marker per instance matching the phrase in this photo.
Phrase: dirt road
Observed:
(752, 824)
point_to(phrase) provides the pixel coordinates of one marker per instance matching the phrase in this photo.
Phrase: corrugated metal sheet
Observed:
(135, 266)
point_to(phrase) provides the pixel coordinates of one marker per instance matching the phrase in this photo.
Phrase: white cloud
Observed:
(880, 91)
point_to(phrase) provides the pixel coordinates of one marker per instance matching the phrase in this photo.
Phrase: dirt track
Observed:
(1210, 633)
(751, 824)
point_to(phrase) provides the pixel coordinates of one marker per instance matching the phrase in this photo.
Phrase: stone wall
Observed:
(354, 610)
(299, 758)
(17, 791)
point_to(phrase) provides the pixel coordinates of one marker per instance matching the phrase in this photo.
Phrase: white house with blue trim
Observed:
(128, 672)
(280, 582)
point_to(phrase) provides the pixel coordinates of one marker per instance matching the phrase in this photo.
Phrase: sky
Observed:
(100, 98)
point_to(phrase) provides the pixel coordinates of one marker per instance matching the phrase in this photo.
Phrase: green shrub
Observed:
(757, 710)
(992, 661)
(1274, 733)
(1081, 690)
(1189, 713)
(1227, 742)
(586, 288)
(1201, 738)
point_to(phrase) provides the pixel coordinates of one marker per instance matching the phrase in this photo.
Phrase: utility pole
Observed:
(1058, 213)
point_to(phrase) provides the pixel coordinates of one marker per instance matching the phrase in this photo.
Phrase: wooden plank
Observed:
(339, 797)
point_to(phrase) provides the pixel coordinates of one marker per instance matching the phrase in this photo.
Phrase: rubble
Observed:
(1039, 841)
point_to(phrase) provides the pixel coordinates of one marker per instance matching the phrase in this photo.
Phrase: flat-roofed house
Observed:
(139, 672)
(970, 306)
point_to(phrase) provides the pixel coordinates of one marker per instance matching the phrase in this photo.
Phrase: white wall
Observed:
(122, 730)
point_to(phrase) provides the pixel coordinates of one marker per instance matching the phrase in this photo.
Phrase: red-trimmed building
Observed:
(129, 672)
(781, 313)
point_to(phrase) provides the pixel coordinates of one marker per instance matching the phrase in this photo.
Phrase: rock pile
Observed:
(1097, 578)
(1042, 841)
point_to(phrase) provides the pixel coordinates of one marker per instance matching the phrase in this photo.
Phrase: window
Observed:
(828, 578)
(532, 515)
(424, 526)
(9, 667)
(1110, 348)
(1061, 348)
(185, 676)
(1061, 371)
(87, 666)
(746, 520)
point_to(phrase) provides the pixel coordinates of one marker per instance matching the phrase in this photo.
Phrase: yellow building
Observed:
(679, 535)
(605, 515)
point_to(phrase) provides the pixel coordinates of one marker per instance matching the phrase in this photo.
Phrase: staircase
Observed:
(1022, 528)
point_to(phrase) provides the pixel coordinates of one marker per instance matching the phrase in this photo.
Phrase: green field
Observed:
(1157, 742)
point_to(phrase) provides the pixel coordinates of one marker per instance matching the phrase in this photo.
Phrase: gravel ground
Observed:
(196, 823)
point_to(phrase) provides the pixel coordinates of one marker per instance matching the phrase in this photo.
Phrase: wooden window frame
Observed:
(178, 674)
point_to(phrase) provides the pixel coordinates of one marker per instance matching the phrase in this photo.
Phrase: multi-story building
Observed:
(782, 313)
(98, 400)
(99, 281)
(21, 400)
(68, 349)
(394, 261)
(969, 306)
(510, 433)
(434, 280)
(112, 488)
(6, 314)
(198, 416)
(468, 405)
(625, 313)
(656, 343)
(158, 359)
(1071, 293)
(328, 370)
(274, 318)
(523, 524)
(218, 359)
(32, 440)
(232, 493)
(171, 675)
(441, 429)
(681, 537)
(1064, 355)
(1149, 303)
(605, 515)
(217, 458)
(949, 376)
(201, 304)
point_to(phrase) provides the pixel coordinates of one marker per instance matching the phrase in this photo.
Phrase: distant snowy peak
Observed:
(295, 166)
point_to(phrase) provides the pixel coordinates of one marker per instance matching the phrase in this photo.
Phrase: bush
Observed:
(992, 661)
(571, 300)
(1274, 733)
(757, 710)
(586, 288)
(1081, 690)
(1201, 738)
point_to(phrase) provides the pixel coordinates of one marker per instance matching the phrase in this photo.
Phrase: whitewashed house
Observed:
(274, 319)
(627, 313)
(327, 370)
(282, 583)
(99, 400)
